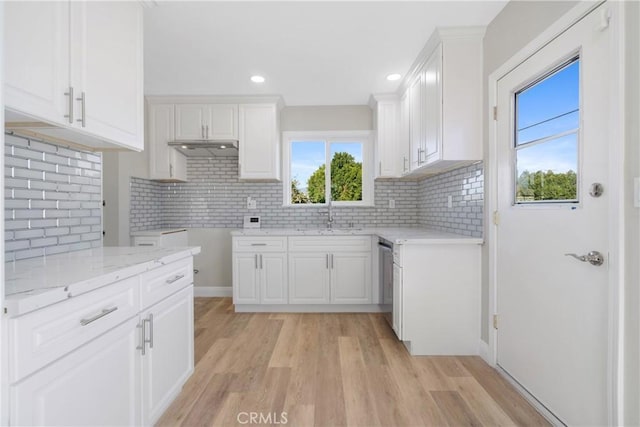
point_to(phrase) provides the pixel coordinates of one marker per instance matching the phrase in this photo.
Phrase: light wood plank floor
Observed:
(331, 370)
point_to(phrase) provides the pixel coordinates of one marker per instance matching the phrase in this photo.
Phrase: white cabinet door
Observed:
(259, 150)
(222, 120)
(36, 58)
(106, 70)
(98, 383)
(309, 277)
(165, 162)
(351, 278)
(433, 107)
(273, 278)
(246, 286)
(387, 139)
(168, 359)
(416, 120)
(190, 121)
(404, 147)
(397, 301)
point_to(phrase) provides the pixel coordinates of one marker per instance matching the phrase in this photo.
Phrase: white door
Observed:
(106, 65)
(190, 121)
(36, 58)
(552, 135)
(273, 278)
(97, 384)
(246, 285)
(350, 278)
(309, 278)
(168, 359)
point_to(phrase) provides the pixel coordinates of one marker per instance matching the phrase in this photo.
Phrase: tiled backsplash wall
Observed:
(214, 198)
(53, 199)
(466, 188)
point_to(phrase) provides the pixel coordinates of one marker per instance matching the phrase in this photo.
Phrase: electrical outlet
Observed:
(450, 202)
(392, 204)
(251, 203)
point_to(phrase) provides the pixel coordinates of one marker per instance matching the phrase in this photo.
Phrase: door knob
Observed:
(593, 258)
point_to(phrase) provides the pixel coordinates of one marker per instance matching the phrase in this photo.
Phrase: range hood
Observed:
(206, 148)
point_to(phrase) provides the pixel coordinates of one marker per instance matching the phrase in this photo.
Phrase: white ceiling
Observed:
(312, 53)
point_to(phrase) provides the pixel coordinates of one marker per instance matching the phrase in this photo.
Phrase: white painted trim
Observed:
(483, 351)
(615, 374)
(308, 308)
(212, 291)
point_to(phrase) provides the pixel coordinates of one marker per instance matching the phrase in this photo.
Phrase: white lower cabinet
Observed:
(96, 384)
(396, 318)
(259, 270)
(309, 278)
(167, 361)
(338, 274)
(114, 356)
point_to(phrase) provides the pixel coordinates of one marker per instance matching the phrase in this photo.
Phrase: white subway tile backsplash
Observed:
(47, 210)
(215, 198)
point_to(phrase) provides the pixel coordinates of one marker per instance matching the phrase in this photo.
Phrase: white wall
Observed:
(338, 117)
(632, 221)
(514, 27)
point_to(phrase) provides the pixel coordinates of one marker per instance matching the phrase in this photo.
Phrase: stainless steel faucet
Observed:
(329, 213)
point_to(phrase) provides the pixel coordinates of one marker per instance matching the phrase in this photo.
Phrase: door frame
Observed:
(616, 256)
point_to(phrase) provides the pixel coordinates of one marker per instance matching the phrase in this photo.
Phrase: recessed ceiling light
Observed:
(393, 77)
(184, 147)
(222, 147)
(257, 79)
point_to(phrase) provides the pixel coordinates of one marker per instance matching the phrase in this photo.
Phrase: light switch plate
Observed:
(392, 204)
(450, 202)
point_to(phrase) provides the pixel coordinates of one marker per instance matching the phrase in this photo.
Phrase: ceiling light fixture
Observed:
(257, 79)
(393, 77)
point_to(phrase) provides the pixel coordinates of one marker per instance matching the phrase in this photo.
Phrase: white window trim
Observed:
(363, 136)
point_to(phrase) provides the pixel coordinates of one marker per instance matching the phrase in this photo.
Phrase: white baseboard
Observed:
(483, 351)
(212, 291)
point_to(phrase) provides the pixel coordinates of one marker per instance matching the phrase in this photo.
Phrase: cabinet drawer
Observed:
(330, 244)
(260, 244)
(40, 337)
(161, 282)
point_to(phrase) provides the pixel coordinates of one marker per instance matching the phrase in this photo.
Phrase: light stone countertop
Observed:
(37, 282)
(400, 236)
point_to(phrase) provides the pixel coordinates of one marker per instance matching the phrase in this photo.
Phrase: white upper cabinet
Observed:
(386, 111)
(444, 101)
(259, 142)
(403, 134)
(36, 57)
(206, 122)
(165, 162)
(74, 71)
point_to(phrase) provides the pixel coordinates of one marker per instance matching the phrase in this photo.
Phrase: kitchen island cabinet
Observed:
(99, 337)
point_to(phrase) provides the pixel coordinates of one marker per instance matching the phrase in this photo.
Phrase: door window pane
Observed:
(546, 137)
(548, 171)
(308, 172)
(346, 171)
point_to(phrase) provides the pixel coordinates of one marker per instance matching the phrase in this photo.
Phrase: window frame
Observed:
(548, 204)
(329, 137)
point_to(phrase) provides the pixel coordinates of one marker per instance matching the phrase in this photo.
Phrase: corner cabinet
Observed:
(165, 162)
(60, 83)
(259, 142)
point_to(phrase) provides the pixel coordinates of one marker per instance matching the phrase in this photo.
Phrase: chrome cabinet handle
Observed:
(327, 261)
(142, 338)
(202, 131)
(255, 261)
(593, 258)
(150, 340)
(104, 312)
(70, 103)
(175, 279)
(82, 99)
(405, 163)
(332, 261)
(170, 171)
(206, 132)
(258, 244)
